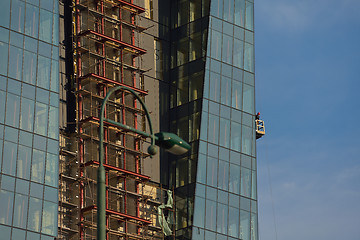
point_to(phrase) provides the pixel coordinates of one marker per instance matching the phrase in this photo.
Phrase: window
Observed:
(10, 154)
(20, 210)
(224, 135)
(46, 24)
(23, 162)
(199, 213)
(235, 141)
(210, 217)
(38, 166)
(32, 21)
(234, 179)
(222, 218)
(245, 182)
(212, 169)
(240, 12)
(213, 133)
(35, 213)
(236, 97)
(27, 114)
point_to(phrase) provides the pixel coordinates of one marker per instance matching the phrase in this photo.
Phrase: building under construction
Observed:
(101, 51)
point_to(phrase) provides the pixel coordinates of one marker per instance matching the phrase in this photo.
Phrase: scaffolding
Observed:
(106, 55)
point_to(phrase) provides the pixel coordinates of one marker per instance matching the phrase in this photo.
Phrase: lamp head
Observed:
(172, 143)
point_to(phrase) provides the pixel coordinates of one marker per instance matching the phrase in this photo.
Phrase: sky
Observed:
(307, 57)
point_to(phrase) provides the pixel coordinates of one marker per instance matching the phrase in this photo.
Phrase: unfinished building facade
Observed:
(100, 51)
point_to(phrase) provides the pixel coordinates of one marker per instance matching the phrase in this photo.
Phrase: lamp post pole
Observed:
(169, 141)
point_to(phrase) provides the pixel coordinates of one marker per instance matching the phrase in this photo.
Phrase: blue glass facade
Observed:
(29, 116)
(212, 105)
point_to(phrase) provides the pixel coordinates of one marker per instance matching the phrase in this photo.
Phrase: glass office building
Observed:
(29, 113)
(199, 73)
(212, 105)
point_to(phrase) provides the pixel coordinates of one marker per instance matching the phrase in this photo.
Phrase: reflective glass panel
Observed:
(248, 102)
(18, 234)
(2, 105)
(3, 58)
(244, 225)
(12, 110)
(41, 119)
(216, 45)
(254, 227)
(47, 4)
(236, 95)
(210, 219)
(6, 201)
(225, 90)
(54, 81)
(28, 91)
(11, 134)
(36, 190)
(22, 186)
(235, 142)
(222, 218)
(32, 21)
(37, 166)
(43, 72)
(223, 180)
(51, 170)
(34, 221)
(234, 178)
(238, 53)
(14, 86)
(15, 62)
(46, 24)
(199, 213)
(253, 185)
(25, 138)
(16, 39)
(249, 58)
(7, 183)
(9, 163)
(233, 222)
(224, 136)
(212, 169)
(5, 13)
(27, 114)
(229, 10)
(227, 49)
(20, 211)
(23, 162)
(216, 8)
(17, 15)
(213, 134)
(247, 139)
(249, 19)
(201, 169)
(245, 182)
(33, 236)
(240, 12)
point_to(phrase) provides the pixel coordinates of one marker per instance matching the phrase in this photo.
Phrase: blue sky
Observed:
(308, 92)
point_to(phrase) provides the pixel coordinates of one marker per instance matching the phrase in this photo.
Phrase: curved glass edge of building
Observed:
(29, 119)
(212, 105)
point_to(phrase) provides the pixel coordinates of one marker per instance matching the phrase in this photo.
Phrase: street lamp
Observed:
(169, 141)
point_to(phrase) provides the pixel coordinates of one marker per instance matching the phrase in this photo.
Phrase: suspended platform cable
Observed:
(270, 187)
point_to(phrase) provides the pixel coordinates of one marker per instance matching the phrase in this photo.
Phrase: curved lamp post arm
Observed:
(151, 149)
